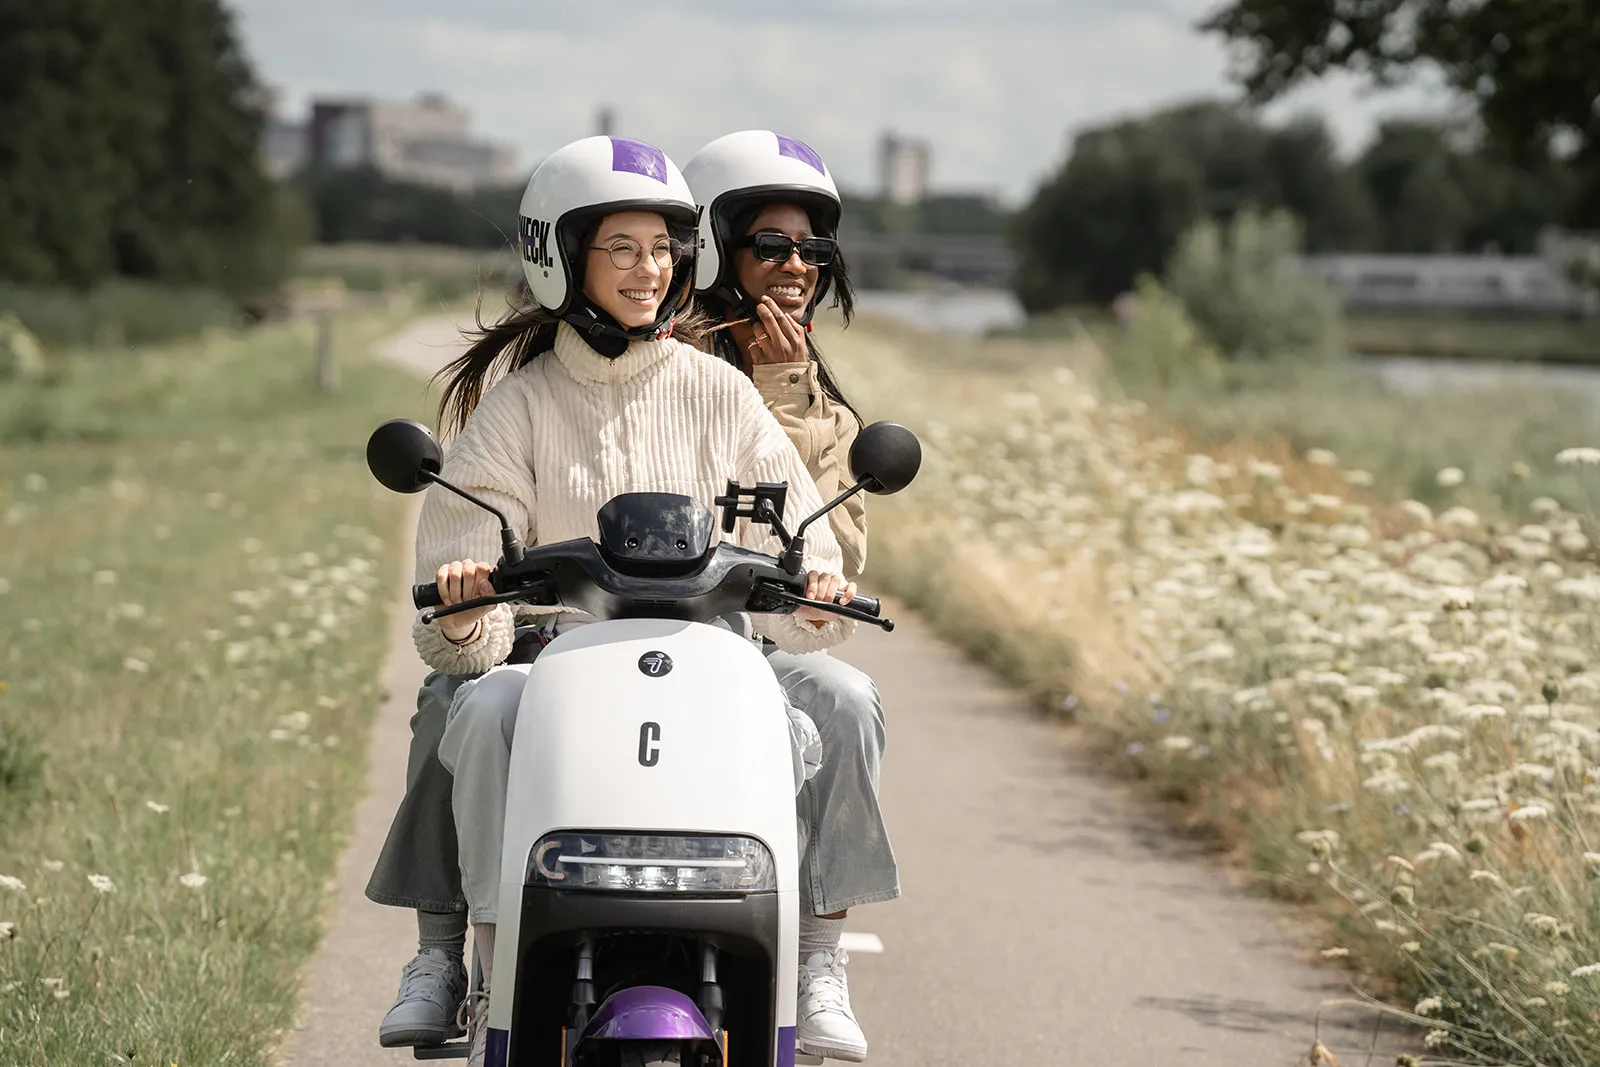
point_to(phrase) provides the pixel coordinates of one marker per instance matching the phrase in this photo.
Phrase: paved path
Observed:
(1047, 917)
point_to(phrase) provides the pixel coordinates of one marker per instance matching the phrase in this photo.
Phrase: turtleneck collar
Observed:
(588, 367)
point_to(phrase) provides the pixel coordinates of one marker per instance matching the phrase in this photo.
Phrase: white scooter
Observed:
(649, 906)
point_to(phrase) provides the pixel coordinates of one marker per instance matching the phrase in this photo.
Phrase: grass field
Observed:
(192, 602)
(1550, 340)
(437, 273)
(1386, 710)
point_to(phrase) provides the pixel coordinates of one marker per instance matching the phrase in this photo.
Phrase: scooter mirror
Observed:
(400, 451)
(885, 457)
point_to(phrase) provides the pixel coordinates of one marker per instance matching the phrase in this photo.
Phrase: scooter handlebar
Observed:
(426, 596)
(869, 604)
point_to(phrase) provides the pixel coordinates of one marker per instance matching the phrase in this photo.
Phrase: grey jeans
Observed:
(848, 861)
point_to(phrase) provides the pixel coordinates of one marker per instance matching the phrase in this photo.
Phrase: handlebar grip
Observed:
(426, 596)
(869, 604)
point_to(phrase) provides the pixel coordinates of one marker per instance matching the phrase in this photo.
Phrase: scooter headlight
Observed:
(653, 863)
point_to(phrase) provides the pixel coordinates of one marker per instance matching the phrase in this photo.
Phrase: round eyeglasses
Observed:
(626, 255)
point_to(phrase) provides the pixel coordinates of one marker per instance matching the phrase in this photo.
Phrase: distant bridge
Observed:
(1509, 285)
(965, 258)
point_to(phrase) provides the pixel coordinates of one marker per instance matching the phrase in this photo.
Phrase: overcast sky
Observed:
(996, 86)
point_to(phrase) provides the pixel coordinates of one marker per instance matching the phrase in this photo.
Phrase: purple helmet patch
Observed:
(795, 148)
(636, 157)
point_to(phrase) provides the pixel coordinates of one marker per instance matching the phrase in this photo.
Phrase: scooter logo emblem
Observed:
(655, 664)
(649, 747)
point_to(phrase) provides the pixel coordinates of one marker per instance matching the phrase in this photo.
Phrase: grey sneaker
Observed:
(432, 987)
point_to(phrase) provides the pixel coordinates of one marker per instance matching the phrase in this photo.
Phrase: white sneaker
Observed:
(474, 1019)
(824, 1024)
(431, 988)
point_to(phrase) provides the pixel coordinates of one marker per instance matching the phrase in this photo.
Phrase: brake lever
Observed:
(845, 610)
(476, 602)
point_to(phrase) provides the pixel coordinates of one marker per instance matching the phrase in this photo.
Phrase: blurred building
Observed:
(426, 141)
(283, 147)
(903, 169)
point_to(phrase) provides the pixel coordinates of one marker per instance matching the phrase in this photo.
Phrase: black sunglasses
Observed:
(778, 247)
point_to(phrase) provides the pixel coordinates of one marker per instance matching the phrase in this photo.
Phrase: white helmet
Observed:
(733, 174)
(567, 196)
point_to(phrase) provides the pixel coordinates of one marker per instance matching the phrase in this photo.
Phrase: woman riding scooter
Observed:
(769, 224)
(599, 399)
(851, 863)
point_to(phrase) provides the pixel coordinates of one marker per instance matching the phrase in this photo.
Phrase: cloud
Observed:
(996, 87)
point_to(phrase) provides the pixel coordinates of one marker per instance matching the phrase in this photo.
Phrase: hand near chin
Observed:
(779, 339)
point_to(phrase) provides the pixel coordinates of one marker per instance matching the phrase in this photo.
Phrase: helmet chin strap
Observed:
(608, 337)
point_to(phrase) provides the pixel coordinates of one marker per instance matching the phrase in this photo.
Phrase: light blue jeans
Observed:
(848, 861)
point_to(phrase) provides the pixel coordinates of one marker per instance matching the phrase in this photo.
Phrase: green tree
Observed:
(360, 204)
(1232, 283)
(1128, 190)
(129, 143)
(1529, 66)
(1433, 193)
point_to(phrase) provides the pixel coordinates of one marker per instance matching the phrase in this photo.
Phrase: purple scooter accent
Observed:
(648, 1013)
(786, 1046)
(498, 1049)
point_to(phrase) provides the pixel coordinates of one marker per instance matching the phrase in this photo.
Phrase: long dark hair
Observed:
(833, 279)
(523, 333)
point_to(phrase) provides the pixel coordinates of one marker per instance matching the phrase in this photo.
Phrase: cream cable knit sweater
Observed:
(552, 442)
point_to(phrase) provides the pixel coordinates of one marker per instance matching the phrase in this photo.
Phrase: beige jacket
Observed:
(822, 432)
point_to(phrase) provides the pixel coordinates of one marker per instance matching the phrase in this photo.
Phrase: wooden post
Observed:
(327, 370)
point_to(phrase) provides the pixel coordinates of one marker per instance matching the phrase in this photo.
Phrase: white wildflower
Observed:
(1586, 589)
(102, 884)
(1545, 924)
(1428, 1005)
(193, 880)
(1530, 811)
(1448, 762)
(1479, 712)
(1574, 457)
(1387, 782)
(1321, 457)
(16, 885)
(1419, 511)
(136, 665)
(1450, 477)
(158, 808)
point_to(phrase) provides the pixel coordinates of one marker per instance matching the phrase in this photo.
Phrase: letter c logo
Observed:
(649, 736)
